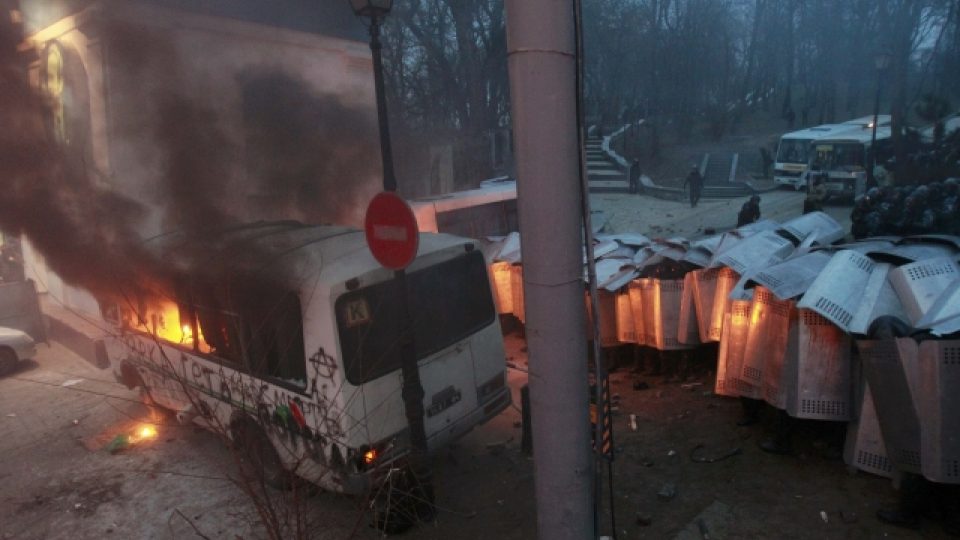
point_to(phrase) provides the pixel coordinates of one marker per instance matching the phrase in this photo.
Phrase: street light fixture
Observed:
(881, 61)
(371, 8)
(376, 11)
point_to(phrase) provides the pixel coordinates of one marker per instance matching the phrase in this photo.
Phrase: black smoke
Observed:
(184, 156)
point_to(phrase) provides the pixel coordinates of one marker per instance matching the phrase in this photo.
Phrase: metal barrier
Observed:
(626, 328)
(733, 343)
(635, 292)
(688, 329)
(502, 286)
(705, 288)
(939, 408)
(516, 291)
(818, 370)
(766, 336)
(726, 280)
(891, 369)
(660, 301)
(864, 448)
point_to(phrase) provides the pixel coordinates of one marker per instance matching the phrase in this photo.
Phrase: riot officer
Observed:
(749, 212)
(863, 206)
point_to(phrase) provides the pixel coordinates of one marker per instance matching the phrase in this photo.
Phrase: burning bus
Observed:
(292, 333)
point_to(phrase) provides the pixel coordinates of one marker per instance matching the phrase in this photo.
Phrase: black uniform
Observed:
(749, 212)
(635, 177)
(696, 185)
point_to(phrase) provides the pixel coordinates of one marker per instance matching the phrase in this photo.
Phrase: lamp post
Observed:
(412, 389)
(881, 61)
(376, 11)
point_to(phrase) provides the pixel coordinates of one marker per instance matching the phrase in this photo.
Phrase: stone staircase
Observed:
(719, 174)
(604, 174)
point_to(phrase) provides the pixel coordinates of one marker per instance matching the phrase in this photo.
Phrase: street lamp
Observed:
(881, 61)
(412, 389)
(376, 11)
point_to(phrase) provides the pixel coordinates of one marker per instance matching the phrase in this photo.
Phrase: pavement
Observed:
(658, 218)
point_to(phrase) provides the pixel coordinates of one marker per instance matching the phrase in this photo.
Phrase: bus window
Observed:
(217, 326)
(848, 156)
(219, 334)
(448, 302)
(793, 150)
(273, 332)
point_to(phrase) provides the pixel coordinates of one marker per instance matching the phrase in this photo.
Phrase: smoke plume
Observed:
(188, 153)
(86, 233)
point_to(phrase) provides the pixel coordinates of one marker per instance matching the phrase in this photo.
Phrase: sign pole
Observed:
(395, 243)
(393, 237)
(413, 394)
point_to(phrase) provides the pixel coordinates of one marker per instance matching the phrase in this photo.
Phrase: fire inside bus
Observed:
(294, 334)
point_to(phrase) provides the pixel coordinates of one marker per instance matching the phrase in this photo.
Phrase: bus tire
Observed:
(259, 460)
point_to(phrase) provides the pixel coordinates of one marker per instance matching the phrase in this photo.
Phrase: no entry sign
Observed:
(391, 230)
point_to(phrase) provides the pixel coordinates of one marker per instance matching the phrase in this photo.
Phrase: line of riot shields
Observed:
(865, 332)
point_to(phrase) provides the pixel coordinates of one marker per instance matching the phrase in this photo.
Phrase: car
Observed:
(15, 346)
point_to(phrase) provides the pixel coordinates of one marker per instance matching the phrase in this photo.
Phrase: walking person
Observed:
(696, 185)
(749, 212)
(635, 176)
(816, 194)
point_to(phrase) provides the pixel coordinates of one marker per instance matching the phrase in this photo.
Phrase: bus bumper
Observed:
(796, 182)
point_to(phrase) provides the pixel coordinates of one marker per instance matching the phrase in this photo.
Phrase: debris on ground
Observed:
(691, 386)
(667, 492)
(71, 382)
(119, 443)
(497, 447)
(644, 520)
(640, 385)
(848, 517)
(824, 517)
(694, 457)
(710, 524)
(702, 527)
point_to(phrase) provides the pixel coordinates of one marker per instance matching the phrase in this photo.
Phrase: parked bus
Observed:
(490, 210)
(794, 149)
(842, 161)
(298, 344)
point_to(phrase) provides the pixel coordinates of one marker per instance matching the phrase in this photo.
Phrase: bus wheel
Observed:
(8, 361)
(258, 459)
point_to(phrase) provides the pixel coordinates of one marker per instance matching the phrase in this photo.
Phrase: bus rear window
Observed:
(448, 302)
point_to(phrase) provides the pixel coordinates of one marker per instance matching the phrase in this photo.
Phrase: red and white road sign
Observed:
(391, 230)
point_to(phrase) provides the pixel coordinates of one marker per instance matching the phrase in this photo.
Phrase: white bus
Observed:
(298, 343)
(843, 160)
(794, 149)
(490, 210)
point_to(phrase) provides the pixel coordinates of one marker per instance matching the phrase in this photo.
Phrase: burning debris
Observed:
(142, 434)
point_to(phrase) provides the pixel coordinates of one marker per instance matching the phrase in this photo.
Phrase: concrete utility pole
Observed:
(542, 67)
